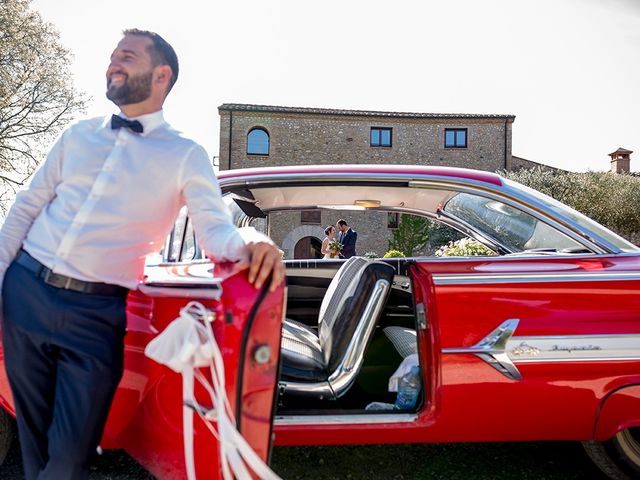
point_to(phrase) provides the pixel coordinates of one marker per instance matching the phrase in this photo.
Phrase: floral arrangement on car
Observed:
(335, 247)
(465, 247)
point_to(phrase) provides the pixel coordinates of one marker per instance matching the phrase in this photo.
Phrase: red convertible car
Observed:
(538, 340)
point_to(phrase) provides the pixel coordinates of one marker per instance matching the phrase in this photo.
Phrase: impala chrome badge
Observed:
(579, 348)
(504, 351)
(525, 349)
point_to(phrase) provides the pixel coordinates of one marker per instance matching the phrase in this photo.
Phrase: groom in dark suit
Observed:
(347, 238)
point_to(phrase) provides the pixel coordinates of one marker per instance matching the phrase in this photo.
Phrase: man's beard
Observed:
(135, 89)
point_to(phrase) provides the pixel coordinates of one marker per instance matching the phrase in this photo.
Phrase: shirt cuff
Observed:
(250, 234)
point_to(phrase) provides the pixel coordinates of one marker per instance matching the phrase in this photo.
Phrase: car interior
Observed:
(347, 329)
(350, 323)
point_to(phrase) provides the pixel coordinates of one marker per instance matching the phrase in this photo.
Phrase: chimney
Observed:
(620, 160)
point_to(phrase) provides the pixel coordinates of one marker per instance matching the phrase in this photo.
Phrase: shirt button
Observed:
(108, 168)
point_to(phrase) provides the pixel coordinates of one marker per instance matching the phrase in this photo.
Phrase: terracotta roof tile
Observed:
(361, 113)
(622, 150)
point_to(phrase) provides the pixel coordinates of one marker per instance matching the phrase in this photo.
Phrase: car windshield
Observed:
(583, 223)
(512, 228)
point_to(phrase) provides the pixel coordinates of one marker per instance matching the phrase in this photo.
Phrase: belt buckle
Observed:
(50, 277)
(46, 277)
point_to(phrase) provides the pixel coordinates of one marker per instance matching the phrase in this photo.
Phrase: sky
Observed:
(569, 70)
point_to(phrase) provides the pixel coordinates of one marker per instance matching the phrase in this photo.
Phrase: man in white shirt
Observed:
(74, 243)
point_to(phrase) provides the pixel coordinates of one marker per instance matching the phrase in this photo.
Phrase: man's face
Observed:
(342, 228)
(130, 73)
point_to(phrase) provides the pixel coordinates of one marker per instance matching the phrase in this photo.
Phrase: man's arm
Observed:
(215, 229)
(28, 205)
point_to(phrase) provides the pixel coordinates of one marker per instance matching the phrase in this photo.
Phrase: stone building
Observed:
(260, 136)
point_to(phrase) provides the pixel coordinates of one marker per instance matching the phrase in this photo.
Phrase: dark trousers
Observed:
(64, 358)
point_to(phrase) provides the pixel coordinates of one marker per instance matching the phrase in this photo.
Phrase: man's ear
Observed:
(163, 75)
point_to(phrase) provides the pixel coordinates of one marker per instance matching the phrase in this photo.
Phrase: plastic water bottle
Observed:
(408, 389)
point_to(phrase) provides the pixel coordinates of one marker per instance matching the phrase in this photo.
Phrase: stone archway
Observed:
(307, 247)
(297, 234)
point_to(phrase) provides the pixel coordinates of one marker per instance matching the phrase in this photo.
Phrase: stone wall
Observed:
(306, 139)
(373, 235)
(519, 163)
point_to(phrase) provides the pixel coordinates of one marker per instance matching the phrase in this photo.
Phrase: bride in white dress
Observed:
(330, 233)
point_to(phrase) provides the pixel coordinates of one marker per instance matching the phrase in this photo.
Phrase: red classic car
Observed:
(539, 339)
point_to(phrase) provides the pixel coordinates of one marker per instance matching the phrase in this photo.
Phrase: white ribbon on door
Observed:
(184, 346)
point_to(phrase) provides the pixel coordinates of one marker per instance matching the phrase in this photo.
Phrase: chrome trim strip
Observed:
(212, 292)
(574, 348)
(310, 272)
(503, 351)
(351, 419)
(308, 389)
(583, 359)
(266, 178)
(472, 279)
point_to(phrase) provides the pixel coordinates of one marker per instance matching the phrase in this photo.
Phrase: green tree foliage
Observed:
(411, 235)
(610, 199)
(37, 97)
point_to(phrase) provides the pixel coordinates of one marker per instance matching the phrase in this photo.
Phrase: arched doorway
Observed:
(308, 247)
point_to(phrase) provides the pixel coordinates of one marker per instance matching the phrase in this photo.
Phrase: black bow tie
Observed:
(133, 125)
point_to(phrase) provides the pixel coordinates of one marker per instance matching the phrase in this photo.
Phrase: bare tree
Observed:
(37, 97)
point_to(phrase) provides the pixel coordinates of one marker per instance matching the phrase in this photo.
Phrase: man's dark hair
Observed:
(160, 51)
(342, 221)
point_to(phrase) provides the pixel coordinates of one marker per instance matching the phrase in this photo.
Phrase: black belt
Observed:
(68, 283)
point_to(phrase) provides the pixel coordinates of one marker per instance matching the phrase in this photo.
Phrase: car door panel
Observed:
(574, 302)
(146, 417)
(567, 309)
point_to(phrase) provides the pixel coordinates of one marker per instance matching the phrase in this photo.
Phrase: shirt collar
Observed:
(149, 121)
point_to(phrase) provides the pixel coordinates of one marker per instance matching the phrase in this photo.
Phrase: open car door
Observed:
(146, 418)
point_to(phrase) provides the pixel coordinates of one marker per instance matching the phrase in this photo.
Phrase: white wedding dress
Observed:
(327, 256)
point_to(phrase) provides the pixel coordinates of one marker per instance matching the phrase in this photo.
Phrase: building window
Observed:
(258, 142)
(380, 137)
(455, 138)
(393, 220)
(310, 217)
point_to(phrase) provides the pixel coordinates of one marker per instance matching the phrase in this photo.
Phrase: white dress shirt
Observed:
(104, 199)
